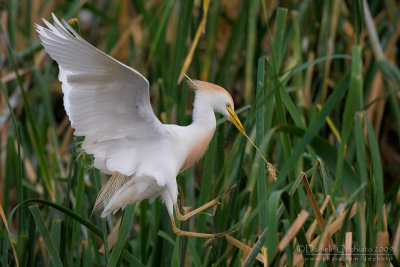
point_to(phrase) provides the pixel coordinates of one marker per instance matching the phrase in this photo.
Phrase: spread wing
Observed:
(105, 100)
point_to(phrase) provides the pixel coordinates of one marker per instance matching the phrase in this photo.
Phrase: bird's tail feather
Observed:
(135, 190)
(116, 181)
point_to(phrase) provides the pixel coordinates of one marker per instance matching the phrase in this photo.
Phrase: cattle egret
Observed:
(108, 103)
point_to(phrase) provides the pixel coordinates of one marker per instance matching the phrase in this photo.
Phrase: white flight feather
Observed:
(105, 100)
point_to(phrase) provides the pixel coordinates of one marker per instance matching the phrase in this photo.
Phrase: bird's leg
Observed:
(180, 232)
(214, 202)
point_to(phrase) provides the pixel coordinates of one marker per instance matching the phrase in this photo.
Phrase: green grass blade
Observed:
(360, 146)
(78, 203)
(194, 255)
(362, 169)
(234, 45)
(313, 129)
(12, 21)
(275, 66)
(261, 175)
(328, 154)
(352, 101)
(126, 225)
(132, 259)
(206, 189)
(11, 171)
(272, 231)
(55, 233)
(96, 177)
(377, 174)
(36, 137)
(257, 247)
(185, 16)
(250, 48)
(45, 234)
(175, 253)
(160, 28)
(166, 237)
(64, 210)
(18, 176)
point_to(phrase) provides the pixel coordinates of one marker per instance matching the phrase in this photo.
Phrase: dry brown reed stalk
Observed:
(66, 140)
(112, 237)
(382, 242)
(243, 247)
(331, 228)
(396, 240)
(196, 39)
(311, 229)
(348, 246)
(315, 208)
(309, 76)
(375, 111)
(4, 219)
(323, 247)
(293, 230)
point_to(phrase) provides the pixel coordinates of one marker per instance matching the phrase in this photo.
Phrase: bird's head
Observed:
(221, 102)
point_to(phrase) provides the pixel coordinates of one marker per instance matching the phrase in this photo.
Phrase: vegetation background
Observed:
(317, 87)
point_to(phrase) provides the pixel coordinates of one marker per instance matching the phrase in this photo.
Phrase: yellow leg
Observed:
(214, 202)
(178, 231)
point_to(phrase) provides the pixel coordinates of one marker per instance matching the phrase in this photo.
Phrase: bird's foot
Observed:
(213, 203)
(180, 232)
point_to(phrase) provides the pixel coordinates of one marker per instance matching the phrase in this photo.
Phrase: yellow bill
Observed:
(235, 120)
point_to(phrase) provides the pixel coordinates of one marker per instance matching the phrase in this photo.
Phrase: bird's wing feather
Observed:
(105, 100)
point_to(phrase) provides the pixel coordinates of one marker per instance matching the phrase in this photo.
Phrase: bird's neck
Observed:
(203, 113)
(200, 132)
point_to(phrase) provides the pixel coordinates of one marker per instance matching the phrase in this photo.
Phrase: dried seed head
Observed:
(272, 170)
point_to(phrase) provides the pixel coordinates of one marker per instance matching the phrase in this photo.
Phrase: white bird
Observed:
(108, 103)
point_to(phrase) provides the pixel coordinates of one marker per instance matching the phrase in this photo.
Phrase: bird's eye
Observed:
(228, 105)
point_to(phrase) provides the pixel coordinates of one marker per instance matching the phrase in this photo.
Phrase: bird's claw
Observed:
(208, 241)
(213, 203)
(215, 206)
(212, 214)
